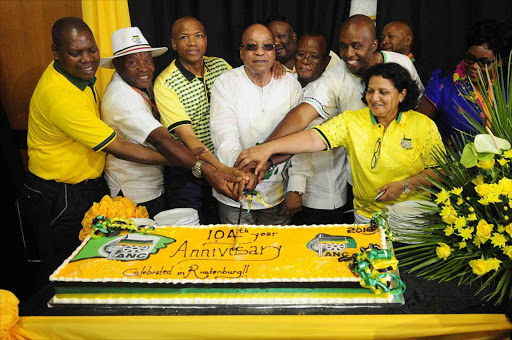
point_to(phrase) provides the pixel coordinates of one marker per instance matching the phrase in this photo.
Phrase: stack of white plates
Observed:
(178, 216)
(406, 218)
(143, 221)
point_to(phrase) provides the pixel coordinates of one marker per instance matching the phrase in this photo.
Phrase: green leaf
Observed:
(484, 157)
(468, 158)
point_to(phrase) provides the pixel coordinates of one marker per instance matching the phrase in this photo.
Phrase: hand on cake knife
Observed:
(367, 204)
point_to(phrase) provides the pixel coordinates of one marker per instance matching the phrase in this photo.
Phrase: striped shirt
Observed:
(184, 98)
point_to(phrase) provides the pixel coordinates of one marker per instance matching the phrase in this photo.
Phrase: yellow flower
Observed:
(493, 263)
(471, 209)
(483, 189)
(462, 244)
(505, 186)
(483, 230)
(448, 230)
(502, 161)
(457, 191)
(486, 165)
(493, 198)
(460, 200)
(496, 189)
(479, 266)
(455, 77)
(448, 214)
(477, 241)
(460, 222)
(478, 180)
(466, 233)
(142, 212)
(507, 250)
(508, 229)
(498, 240)
(443, 251)
(472, 217)
(501, 228)
(483, 201)
(442, 196)
(508, 154)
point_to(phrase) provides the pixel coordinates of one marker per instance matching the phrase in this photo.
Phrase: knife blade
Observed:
(367, 204)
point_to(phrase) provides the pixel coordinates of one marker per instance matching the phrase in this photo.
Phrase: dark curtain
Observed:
(225, 20)
(440, 26)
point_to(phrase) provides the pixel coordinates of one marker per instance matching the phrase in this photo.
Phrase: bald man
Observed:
(339, 89)
(247, 104)
(182, 94)
(397, 37)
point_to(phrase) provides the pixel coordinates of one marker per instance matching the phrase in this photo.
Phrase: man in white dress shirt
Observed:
(317, 187)
(128, 108)
(247, 104)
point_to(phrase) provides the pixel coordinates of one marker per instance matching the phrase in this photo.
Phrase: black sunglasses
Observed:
(482, 62)
(254, 47)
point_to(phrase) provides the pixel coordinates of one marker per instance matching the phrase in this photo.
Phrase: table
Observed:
(431, 309)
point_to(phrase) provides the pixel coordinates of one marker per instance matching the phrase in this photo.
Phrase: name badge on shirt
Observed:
(406, 143)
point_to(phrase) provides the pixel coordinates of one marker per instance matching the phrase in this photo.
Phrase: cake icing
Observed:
(220, 264)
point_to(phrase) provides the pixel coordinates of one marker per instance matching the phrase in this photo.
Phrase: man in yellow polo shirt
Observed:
(67, 142)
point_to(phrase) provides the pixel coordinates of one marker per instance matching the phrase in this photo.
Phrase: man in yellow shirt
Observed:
(67, 142)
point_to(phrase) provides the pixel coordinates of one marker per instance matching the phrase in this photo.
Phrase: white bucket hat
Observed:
(129, 40)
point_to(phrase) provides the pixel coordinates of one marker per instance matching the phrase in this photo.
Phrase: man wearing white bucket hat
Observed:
(128, 107)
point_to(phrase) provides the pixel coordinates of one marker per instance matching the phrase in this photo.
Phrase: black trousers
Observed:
(54, 212)
(320, 216)
(187, 191)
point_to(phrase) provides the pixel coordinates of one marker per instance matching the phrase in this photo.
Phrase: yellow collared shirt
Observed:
(65, 132)
(405, 150)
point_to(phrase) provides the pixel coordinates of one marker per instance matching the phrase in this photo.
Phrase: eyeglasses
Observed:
(311, 58)
(482, 62)
(376, 153)
(254, 47)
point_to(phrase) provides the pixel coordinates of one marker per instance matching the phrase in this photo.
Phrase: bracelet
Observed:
(298, 193)
(271, 167)
(407, 188)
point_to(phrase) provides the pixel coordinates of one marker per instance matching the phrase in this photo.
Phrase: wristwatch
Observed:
(196, 169)
(407, 188)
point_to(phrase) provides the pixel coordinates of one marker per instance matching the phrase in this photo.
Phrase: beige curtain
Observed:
(104, 18)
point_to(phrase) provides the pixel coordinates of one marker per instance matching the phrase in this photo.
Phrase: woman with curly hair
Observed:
(389, 144)
(445, 97)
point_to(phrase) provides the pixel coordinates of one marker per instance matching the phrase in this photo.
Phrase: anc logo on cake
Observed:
(331, 245)
(129, 247)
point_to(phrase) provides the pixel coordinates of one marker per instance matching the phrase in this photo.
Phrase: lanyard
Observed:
(146, 98)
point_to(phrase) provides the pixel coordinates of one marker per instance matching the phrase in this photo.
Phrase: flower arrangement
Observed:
(120, 207)
(468, 235)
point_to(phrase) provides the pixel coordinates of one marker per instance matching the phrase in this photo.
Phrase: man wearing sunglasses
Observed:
(285, 39)
(317, 184)
(247, 104)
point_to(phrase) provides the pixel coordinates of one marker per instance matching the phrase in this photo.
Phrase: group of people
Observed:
(204, 125)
